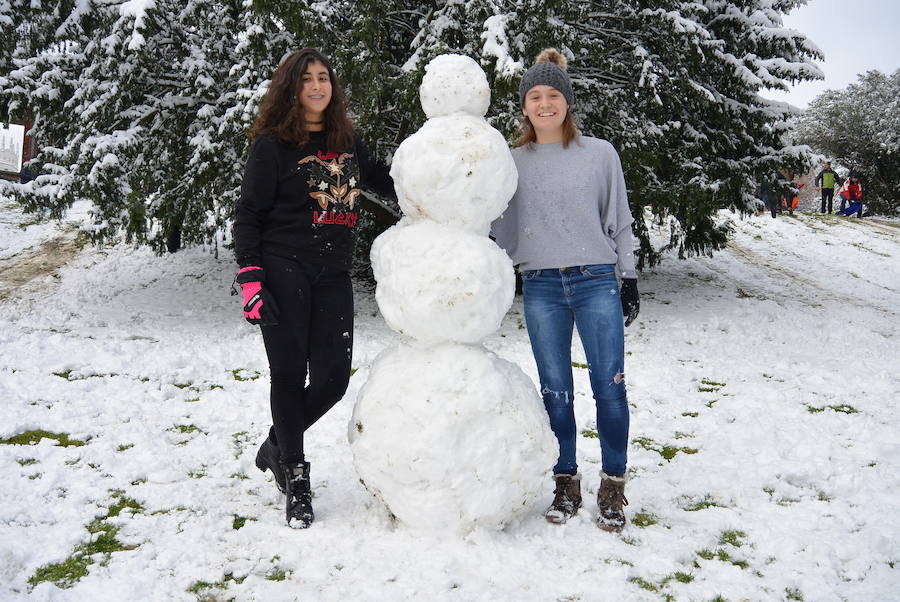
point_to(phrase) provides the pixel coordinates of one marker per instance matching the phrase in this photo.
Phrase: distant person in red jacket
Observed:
(851, 193)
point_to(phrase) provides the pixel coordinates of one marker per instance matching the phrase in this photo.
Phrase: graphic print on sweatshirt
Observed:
(332, 182)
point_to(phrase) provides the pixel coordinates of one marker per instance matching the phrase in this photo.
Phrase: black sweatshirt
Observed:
(304, 203)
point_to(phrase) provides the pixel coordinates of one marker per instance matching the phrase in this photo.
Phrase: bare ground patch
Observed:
(19, 270)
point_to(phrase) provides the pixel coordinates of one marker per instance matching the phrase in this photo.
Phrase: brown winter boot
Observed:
(567, 498)
(611, 502)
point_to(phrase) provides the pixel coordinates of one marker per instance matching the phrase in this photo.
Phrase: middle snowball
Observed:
(455, 170)
(440, 283)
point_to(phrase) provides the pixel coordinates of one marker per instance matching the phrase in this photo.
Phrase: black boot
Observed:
(611, 502)
(267, 459)
(298, 495)
(567, 498)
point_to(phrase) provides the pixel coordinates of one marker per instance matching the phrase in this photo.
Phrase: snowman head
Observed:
(454, 84)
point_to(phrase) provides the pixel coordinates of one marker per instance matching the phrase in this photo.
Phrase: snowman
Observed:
(445, 433)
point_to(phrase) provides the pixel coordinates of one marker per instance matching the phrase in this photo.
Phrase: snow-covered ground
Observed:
(765, 461)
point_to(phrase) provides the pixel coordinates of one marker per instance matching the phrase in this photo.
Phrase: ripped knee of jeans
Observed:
(618, 378)
(556, 397)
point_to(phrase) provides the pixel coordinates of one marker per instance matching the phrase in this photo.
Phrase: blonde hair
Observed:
(527, 134)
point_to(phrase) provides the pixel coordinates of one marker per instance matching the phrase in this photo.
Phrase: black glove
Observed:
(631, 300)
(259, 306)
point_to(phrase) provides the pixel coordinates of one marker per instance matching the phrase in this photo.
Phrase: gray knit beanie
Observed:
(546, 73)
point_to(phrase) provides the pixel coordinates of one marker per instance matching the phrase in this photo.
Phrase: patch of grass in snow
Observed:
(67, 374)
(732, 538)
(242, 374)
(32, 437)
(792, 593)
(240, 521)
(27, 461)
(579, 365)
(240, 476)
(276, 574)
(199, 473)
(691, 504)
(125, 446)
(643, 584)
(708, 385)
(690, 414)
(666, 451)
(644, 519)
(742, 294)
(123, 502)
(100, 547)
(239, 439)
(727, 538)
(844, 408)
(824, 497)
(187, 428)
(169, 510)
(590, 433)
(353, 371)
(181, 385)
(681, 577)
(201, 588)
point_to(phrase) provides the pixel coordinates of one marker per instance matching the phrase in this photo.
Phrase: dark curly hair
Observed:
(281, 114)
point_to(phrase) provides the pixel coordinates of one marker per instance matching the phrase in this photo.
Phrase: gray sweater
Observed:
(570, 208)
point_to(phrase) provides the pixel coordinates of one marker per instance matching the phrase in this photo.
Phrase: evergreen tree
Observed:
(145, 113)
(859, 127)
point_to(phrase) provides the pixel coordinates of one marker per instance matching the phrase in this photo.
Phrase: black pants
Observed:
(827, 196)
(314, 336)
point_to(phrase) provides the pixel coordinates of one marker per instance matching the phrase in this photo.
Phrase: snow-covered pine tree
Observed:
(119, 96)
(859, 127)
(676, 87)
(144, 113)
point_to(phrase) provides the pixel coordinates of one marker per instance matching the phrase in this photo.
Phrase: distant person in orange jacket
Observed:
(792, 199)
(851, 192)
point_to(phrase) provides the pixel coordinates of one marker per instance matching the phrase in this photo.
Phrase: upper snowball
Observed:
(454, 83)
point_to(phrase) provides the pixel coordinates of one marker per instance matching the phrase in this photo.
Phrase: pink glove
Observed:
(259, 306)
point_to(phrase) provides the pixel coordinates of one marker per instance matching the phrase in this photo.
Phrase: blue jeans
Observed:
(588, 297)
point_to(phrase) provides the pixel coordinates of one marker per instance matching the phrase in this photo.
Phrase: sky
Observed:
(855, 37)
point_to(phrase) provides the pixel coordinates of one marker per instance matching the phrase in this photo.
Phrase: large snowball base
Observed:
(439, 283)
(451, 437)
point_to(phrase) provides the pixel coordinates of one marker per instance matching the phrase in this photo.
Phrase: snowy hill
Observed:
(764, 461)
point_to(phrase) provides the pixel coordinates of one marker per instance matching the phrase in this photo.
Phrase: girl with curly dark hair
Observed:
(294, 236)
